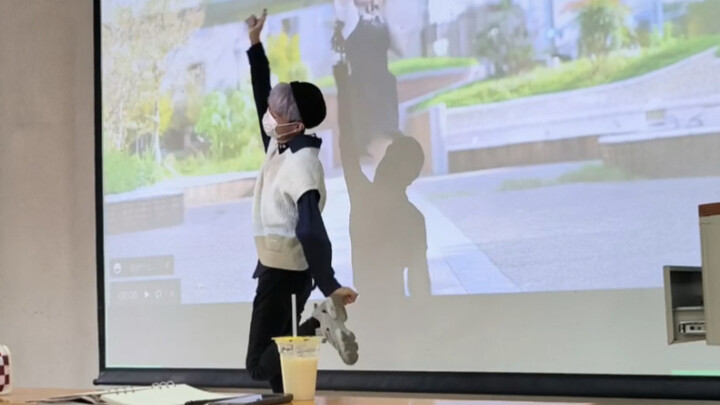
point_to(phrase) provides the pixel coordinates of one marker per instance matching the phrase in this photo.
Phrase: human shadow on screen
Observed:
(387, 231)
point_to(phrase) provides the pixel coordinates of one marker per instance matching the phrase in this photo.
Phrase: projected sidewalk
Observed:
(214, 254)
(576, 236)
(482, 239)
(457, 266)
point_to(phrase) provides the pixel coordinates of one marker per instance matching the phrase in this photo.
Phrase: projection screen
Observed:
(566, 147)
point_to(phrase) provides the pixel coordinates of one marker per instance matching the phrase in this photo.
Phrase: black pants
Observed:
(272, 317)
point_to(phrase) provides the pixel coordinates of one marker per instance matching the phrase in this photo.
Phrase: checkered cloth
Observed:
(4, 370)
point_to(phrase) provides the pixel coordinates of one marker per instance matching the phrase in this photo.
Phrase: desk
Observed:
(27, 396)
(24, 396)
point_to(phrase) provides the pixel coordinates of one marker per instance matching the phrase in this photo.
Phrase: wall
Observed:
(47, 240)
(575, 149)
(645, 155)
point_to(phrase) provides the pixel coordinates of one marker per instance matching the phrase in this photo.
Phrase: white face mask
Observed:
(270, 126)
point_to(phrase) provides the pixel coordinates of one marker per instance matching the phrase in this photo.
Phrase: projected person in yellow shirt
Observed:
(366, 39)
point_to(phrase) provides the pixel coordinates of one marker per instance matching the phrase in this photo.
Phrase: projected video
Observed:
(472, 146)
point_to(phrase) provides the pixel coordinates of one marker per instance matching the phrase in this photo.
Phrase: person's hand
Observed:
(347, 295)
(255, 26)
(375, 8)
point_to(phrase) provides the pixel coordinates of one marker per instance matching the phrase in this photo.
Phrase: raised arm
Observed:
(259, 71)
(349, 156)
(394, 31)
(395, 41)
(347, 12)
(341, 8)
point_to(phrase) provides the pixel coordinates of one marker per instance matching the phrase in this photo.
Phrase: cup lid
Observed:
(296, 339)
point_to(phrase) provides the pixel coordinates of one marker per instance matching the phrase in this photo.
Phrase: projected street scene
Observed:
(560, 144)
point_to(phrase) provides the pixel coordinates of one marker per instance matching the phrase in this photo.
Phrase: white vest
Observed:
(283, 179)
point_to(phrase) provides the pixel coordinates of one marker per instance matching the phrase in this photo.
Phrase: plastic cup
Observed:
(299, 362)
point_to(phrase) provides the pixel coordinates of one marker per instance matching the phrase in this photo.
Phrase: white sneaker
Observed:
(332, 316)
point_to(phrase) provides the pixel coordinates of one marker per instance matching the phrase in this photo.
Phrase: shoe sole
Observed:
(348, 347)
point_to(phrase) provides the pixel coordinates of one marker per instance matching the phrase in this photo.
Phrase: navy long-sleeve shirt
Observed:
(310, 229)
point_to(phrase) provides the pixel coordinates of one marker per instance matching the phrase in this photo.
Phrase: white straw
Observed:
(294, 315)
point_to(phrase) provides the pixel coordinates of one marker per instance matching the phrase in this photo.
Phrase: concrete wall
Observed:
(681, 153)
(47, 223)
(523, 154)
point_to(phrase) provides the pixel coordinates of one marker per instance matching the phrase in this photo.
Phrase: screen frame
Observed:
(474, 383)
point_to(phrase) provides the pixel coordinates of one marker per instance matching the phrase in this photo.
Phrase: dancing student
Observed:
(293, 247)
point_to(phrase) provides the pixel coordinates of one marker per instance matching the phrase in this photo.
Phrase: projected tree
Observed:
(602, 25)
(139, 45)
(505, 42)
(230, 122)
(702, 18)
(119, 90)
(284, 56)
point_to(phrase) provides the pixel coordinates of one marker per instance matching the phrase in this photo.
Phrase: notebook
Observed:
(163, 395)
(158, 394)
